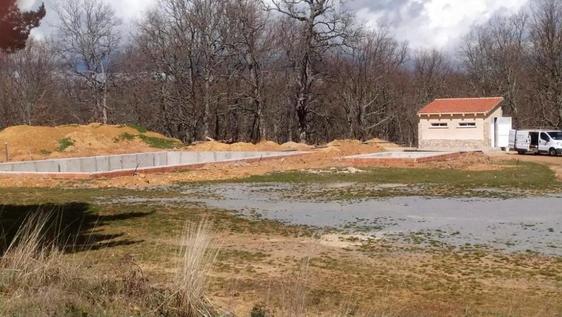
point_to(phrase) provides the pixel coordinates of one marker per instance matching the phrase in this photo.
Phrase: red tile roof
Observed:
(462, 105)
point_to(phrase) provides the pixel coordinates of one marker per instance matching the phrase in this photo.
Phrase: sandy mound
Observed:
(242, 146)
(383, 143)
(38, 142)
(294, 146)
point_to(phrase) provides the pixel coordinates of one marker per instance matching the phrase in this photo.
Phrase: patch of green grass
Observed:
(156, 142)
(125, 136)
(159, 143)
(137, 127)
(522, 175)
(65, 143)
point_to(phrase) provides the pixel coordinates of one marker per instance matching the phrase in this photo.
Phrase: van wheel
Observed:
(552, 152)
(520, 152)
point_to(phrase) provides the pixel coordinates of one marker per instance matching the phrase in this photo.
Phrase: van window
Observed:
(545, 137)
(556, 135)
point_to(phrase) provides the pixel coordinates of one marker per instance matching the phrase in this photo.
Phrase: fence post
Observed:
(6, 150)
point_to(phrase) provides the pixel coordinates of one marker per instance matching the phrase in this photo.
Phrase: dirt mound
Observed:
(383, 143)
(38, 142)
(350, 147)
(294, 146)
(243, 146)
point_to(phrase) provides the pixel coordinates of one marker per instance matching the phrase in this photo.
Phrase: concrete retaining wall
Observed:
(126, 163)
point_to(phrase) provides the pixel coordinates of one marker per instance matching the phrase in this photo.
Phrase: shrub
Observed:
(125, 136)
(198, 253)
(65, 143)
(159, 143)
(137, 127)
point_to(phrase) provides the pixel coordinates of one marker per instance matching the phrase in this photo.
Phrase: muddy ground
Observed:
(358, 240)
(343, 270)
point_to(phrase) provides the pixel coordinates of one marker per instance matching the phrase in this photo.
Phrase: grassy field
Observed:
(112, 258)
(514, 179)
(524, 175)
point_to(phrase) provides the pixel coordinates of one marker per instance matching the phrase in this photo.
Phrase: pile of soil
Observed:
(387, 145)
(38, 142)
(242, 146)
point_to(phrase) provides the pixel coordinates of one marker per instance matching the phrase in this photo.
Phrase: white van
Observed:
(536, 141)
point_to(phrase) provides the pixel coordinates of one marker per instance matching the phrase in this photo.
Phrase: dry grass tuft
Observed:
(198, 253)
(32, 259)
(293, 302)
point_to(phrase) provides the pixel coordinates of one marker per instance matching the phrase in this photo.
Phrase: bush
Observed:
(65, 143)
(159, 143)
(125, 137)
(198, 254)
(137, 127)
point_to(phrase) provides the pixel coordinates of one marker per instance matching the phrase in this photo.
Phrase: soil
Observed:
(38, 142)
(29, 143)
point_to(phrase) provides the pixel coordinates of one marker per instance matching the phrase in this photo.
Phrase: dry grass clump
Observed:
(293, 301)
(198, 253)
(37, 278)
(32, 259)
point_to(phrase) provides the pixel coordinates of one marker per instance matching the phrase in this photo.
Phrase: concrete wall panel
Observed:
(146, 160)
(87, 165)
(115, 163)
(102, 164)
(111, 163)
(129, 161)
(72, 166)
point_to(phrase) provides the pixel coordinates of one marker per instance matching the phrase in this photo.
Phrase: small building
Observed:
(463, 124)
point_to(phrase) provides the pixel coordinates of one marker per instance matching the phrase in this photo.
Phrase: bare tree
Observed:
(323, 25)
(431, 71)
(32, 70)
(206, 18)
(87, 39)
(546, 37)
(367, 82)
(495, 59)
(249, 40)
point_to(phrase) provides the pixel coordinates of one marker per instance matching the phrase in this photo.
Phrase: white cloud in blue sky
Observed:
(423, 23)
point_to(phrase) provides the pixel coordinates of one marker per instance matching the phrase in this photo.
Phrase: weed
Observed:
(260, 310)
(159, 143)
(65, 143)
(294, 294)
(30, 258)
(198, 253)
(137, 127)
(125, 136)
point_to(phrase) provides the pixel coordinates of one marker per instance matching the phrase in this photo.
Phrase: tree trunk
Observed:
(207, 114)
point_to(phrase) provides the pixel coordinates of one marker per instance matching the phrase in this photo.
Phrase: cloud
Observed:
(128, 11)
(423, 23)
(430, 23)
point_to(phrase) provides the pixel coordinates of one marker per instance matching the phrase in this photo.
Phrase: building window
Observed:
(440, 125)
(467, 124)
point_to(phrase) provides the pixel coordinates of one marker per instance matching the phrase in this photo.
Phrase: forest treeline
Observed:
(282, 70)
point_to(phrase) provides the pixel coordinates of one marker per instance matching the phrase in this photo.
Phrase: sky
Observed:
(438, 24)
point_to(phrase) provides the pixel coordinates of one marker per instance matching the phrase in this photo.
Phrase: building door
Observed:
(493, 133)
(502, 129)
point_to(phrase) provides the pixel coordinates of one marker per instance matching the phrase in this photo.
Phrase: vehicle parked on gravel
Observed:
(536, 141)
